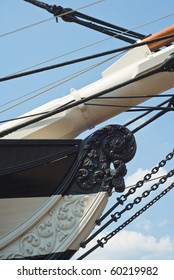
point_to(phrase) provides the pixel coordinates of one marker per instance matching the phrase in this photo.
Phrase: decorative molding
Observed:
(49, 234)
(107, 151)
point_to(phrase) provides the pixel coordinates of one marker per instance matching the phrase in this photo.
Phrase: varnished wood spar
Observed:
(156, 45)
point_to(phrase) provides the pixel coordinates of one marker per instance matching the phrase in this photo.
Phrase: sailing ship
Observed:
(54, 187)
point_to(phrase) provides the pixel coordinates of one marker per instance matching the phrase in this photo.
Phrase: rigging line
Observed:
(158, 115)
(46, 20)
(46, 112)
(64, 80)
(102, 241)
(102, 97)
(24, 117)
(50, 8)
(87, 46)
(133, 96)
(34, 115)
(28, 116)
(76, 17)
(60, 56)
(84, 58)
(166, 109)
(111, 26)
(70, 77)
(154, 21)
(146, 113)
(149, 108)
(137, 107)
(162, 68)
(81, 72)
(101, 29)
(156, 178)
(24, 27)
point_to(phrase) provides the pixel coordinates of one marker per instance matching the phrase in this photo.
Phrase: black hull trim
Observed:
(67, 255)
(42, 168)
(35, 168)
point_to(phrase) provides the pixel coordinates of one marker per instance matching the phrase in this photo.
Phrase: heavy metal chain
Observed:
(139, 184)
(137, 200)
(123, 198)
(101, 242)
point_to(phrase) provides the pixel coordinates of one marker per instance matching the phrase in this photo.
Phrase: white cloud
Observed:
(139, 175)
(163, 223)
(143, 224)
(136, 244)
(129, 245)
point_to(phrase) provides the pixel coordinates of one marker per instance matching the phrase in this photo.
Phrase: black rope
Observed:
(98, 28)
(54, 66)
(70, 15)
(137, 107)
(113, 26)
(132, 110)
(23, 117)
(171, 103)
(148, 109)
(146, 113)
(137, 96)
(49, 8)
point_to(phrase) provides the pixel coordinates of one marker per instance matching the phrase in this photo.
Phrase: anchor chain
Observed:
(117, 215)
(139, 184)
(101, 242)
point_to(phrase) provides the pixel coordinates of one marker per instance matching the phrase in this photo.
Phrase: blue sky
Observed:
(152, 235)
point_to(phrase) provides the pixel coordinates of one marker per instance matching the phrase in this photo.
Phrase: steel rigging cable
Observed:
(86, 46)
(45, 20)
(84, 58)
(148, 109)
(69, 15)
(53, 85)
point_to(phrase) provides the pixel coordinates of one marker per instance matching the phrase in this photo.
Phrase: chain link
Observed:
(139, 184)
(105, 239)
(145, 194)
(117, 215)
(120, 201)
(101, 242)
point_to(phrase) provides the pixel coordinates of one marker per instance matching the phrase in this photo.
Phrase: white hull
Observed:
(59, 225)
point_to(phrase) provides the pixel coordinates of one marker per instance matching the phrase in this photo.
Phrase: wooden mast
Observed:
(156, 45)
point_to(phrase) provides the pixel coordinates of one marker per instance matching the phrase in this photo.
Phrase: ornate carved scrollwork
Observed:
(106, 152)
(46, 236)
